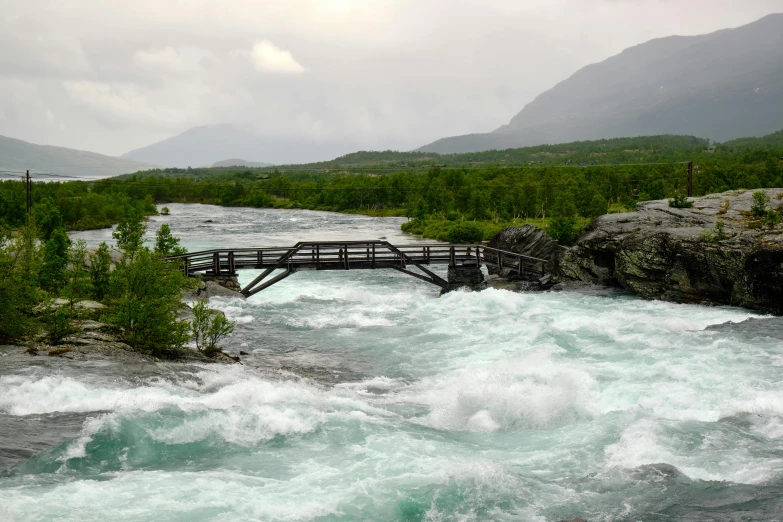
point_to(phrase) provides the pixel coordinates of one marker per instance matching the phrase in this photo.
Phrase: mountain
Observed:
(234, 162)
(723, 85)
(208, 144)
(17, 156)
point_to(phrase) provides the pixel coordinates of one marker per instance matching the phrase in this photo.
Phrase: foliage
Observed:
(55, 261)
(78, 283)
(166, 244)
(563, 229)
(598, 206)
(20, 261)
(717, 234)
(48, 217)
(100, 271)
(208, 327)
(680, 201)
(165, 211)
(760, 202)
(144, 301)
(771, 219)
(130, 235)
(465, 232)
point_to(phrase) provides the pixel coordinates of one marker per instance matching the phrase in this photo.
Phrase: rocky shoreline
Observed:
(673, 254)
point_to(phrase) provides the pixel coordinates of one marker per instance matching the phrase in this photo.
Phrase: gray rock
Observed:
(659, 252)
(465, 276)
(207, 289)
(527, 240)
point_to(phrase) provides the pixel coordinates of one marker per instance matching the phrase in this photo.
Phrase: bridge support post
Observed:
(469, 276)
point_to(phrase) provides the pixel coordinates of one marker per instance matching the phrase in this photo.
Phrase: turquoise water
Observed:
(366, 396)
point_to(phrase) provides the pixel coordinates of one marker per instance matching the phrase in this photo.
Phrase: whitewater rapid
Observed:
(366, 396)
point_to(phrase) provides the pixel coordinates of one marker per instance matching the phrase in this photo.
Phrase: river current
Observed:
(367, 396)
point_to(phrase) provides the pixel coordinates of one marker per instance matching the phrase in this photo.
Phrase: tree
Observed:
(130, 235)
(760, 202)
(465, 232)
(167, 244)
(20, 261)
(55, 261)
(100, 271)
(598, 206)
(563, 229)
(144, 299)
(47, 217)
(77, 278)
(208, 327)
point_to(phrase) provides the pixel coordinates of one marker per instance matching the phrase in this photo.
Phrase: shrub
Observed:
(771, 219)
(718, 233)
(465, 233)
(680, 201)
(760, 202)
(165, 211)
(100, 270)
(563, 230)
(208, 327)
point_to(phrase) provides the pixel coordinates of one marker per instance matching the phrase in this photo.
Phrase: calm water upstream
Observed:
(472, 406)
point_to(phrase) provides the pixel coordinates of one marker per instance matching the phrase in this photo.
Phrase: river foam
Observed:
(486, 405)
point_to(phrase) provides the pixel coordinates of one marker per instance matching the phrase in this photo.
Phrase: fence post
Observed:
(690, 179)
(216, 263)
(452, 257)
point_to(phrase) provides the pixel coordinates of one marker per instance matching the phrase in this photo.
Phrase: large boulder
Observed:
(527, 240)
(660, 252)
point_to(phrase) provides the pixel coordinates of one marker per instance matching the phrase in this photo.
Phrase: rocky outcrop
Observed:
(679, 255)
(210, 288)
(465, 276)
(527, 240)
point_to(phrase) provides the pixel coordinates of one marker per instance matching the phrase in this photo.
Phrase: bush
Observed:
(208, 327)
(760, 202)
(563, 230)
(718, 233)
(680, 201)
(465, 233)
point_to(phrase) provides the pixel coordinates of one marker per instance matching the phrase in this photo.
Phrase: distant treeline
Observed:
(495, 194)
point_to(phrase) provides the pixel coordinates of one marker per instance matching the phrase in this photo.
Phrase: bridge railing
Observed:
(356, 254)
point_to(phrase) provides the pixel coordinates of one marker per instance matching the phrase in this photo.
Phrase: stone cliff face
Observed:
(527, 240)
(659, 252)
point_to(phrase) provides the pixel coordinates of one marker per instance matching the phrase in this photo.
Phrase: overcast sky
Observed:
(110, 76)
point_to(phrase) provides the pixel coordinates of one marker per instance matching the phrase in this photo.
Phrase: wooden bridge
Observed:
(354, 255)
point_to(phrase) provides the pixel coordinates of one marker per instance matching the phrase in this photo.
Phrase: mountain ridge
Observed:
(722, 85)
(18, 155)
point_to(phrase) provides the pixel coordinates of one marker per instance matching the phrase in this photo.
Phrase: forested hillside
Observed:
(441, 200)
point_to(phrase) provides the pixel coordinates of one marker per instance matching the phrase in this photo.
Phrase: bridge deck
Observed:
(353, 255)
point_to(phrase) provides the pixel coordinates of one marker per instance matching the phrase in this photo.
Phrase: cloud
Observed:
(268, 57)
(174, 61)
(123, 104)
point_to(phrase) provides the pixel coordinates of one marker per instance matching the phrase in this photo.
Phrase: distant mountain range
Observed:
(17, 156)
(240, 163)
(205, 145)
(721, 86)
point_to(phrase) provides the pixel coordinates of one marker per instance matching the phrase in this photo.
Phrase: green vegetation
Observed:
(760, 202)
(717, 234)
(144, 295)
(557, 187)
(143, 291)
(208, 328)
(680, 201)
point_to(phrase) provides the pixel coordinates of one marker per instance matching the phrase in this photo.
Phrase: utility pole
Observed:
(690, 179)
(28, 188)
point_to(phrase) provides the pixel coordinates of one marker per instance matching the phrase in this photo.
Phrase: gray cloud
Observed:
(113, 76)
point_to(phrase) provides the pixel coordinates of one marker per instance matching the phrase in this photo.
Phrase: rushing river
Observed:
(485, 405)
